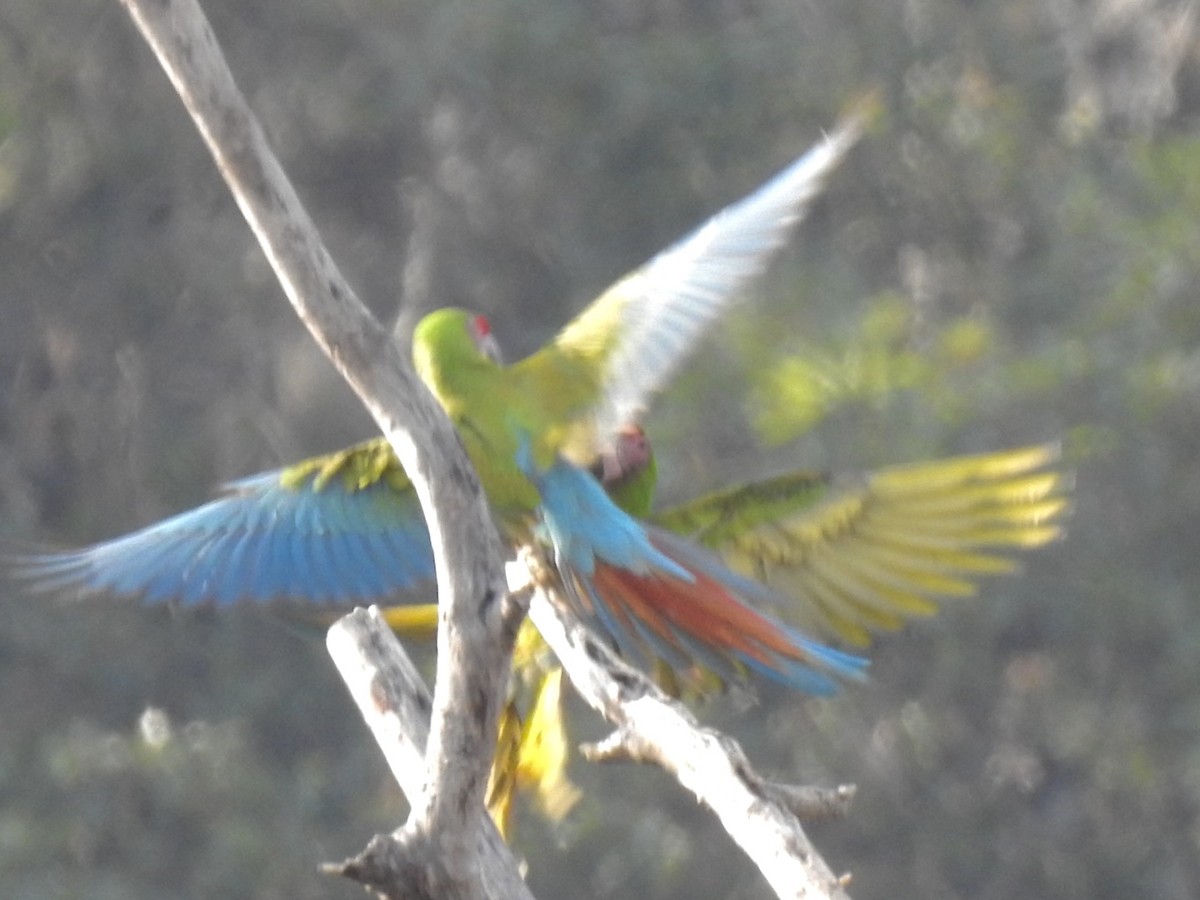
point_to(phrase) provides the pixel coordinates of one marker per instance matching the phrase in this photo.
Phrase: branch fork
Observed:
(439, 747)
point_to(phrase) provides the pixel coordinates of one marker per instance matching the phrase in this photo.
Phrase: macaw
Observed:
(849, 557)
(346, 528)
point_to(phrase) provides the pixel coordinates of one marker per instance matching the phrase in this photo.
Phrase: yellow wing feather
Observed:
(869, 557)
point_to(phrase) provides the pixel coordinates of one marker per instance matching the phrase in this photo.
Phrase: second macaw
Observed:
(850, 557)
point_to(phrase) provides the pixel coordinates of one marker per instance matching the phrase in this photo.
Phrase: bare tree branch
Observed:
(395, 703)
(473, 659)
(390, 693)
(759, 815)
(448, 847)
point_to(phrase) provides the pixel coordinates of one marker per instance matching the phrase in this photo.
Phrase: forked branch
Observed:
(448, 848)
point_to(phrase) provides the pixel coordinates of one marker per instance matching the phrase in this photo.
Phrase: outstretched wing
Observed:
(635, 335)
(339, 529)
(869, 557)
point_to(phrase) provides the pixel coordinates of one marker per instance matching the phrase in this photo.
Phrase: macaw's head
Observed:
(628, 454)
(628, 471)
(451, 341)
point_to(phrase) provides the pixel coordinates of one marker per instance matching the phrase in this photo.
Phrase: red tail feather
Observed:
(703, 610)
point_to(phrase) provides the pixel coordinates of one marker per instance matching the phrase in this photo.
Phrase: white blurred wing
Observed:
(638, 332)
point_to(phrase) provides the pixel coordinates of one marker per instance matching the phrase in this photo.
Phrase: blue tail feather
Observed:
(586, 528)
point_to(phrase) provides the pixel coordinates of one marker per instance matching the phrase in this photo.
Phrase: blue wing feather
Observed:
(262, 540)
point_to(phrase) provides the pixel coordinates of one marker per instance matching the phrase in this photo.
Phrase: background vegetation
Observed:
(1011, 257)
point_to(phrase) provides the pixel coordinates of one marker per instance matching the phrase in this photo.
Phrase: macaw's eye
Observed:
(485, 341)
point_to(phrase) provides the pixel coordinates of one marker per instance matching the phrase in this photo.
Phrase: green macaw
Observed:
(346, 528)
(847, 557)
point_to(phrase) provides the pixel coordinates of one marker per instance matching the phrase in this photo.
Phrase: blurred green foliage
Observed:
(1010, 257)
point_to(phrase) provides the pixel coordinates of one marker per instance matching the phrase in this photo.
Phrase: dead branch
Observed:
(448, 848)
(441, 836)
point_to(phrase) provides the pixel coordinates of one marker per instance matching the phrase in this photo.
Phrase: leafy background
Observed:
(1010, 257)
